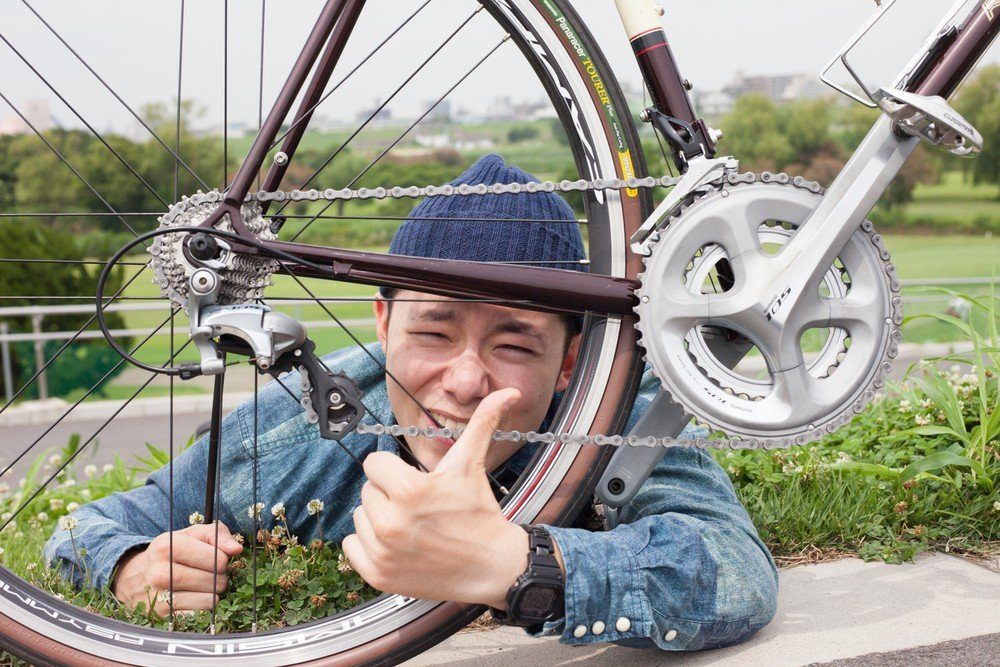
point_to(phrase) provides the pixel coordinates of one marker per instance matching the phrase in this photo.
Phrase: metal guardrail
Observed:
(39, 337)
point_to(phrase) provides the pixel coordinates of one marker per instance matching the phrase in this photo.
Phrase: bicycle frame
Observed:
(942, 69)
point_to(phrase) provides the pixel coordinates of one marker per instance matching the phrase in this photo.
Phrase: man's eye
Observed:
(430, 335)
(518, 349)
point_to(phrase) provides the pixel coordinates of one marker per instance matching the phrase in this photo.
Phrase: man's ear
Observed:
(568, 363)
(381, 307)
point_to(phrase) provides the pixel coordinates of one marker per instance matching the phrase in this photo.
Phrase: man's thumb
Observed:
(470, 449)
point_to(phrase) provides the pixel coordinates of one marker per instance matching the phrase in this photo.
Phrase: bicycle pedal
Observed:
(931, 119)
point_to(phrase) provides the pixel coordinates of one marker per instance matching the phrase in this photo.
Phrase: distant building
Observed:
(781, 89)
(384, 114)
(504, 108)
(38, 114)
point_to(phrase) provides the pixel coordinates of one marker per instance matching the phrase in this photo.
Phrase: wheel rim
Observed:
(531, 498)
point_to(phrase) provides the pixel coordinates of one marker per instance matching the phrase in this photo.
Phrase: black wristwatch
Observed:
(538, 595)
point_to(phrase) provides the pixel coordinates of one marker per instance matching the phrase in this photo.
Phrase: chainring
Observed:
(739, 224)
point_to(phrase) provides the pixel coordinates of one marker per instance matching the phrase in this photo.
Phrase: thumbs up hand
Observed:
(439, 535)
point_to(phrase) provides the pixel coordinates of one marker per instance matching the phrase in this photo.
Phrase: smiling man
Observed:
(684, 570)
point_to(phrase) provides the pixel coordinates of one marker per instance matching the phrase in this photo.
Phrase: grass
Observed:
(956, 198)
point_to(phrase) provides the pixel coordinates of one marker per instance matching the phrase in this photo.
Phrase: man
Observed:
(685, 570)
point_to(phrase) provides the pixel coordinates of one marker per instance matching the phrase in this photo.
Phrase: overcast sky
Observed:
(134, 45)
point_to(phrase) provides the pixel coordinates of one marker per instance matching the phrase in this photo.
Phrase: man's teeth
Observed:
(449, 423)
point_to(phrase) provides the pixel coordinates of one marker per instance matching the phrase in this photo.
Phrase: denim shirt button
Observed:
(623, 624)
(670, 636)
(597, 628)
(579, 631)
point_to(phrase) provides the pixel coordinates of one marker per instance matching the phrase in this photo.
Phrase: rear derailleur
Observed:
(276, 344)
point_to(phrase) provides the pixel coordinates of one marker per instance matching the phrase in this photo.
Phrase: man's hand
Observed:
(439, 535)
(143, 575)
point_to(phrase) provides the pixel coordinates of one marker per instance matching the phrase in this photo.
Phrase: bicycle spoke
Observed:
(66, 162)
(170, 492)
(177, 122)
(260, 97)
(81, 214)
(117, 96)
(225, 96)
(385, 103)
(404, 133)
(81, 262)
(83, 120)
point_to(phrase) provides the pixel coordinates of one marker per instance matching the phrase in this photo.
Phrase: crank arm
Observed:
(819, 240)
(631, 466)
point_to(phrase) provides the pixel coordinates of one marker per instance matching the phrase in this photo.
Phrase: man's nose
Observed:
(467, 379)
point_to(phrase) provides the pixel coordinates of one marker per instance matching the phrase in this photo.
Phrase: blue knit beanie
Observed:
(490, 228)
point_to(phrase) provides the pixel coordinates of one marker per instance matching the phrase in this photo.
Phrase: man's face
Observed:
(450, 355)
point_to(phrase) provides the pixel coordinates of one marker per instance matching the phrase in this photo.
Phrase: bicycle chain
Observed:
(581, 185)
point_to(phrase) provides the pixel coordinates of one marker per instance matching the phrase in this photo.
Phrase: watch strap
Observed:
(543, 567)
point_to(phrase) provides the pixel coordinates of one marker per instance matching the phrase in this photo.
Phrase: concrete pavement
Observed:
(831, 611)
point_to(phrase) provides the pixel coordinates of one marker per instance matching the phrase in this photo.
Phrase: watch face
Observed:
(537, 602)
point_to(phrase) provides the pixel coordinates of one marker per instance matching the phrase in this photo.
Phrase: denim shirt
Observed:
(685, 570)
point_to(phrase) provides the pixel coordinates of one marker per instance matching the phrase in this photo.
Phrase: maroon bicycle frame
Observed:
(535, 288)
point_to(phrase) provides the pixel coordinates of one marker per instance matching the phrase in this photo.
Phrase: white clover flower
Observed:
(5, 516)
(927, 404)
(85, 493)
(55, 459)
(922, 420)
(344, 565)
(1, 551)
(56, 503)
(196, 518)
(108, 467)
(69, 483)
(67, 522)
(996, 506)
(843, 457)
(72, 507)
(904, 405)
(4, 488)
(32, 566)
(42, 516)
(315, 506)
(164, 597)
(90, 470)
(21, 482)
(278, 510)
(10, 528)
(253, 511)
(278, 531)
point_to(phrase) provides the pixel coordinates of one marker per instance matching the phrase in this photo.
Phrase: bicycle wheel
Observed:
(556, 49)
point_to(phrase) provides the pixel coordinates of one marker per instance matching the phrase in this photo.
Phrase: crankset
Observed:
(818, 360)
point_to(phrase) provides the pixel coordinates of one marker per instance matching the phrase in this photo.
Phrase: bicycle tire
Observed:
(559, 480)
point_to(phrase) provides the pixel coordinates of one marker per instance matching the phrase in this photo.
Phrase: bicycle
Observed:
(214, 253)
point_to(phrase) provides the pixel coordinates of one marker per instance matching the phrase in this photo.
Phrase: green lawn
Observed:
(954, 197)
